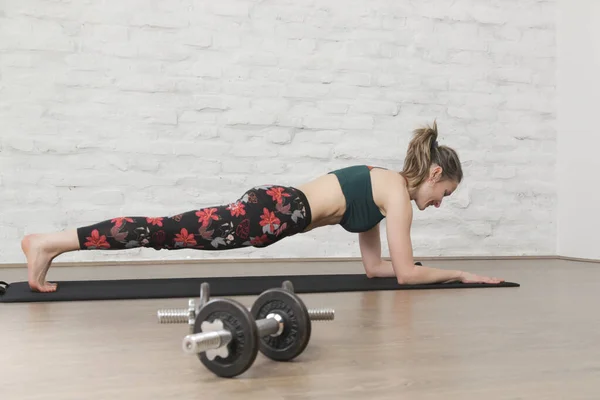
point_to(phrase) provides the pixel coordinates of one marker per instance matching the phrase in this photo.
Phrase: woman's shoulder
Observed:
(389, 189)
(388, 176)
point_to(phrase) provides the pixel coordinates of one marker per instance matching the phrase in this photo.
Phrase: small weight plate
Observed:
(296, 322)
(288, 285)
(243, 347)
(204, 295)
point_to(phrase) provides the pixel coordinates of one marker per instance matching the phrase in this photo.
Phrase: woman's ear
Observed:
(435, 173)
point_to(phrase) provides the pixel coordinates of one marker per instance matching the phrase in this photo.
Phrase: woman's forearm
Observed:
(418, 275)
(382, 270)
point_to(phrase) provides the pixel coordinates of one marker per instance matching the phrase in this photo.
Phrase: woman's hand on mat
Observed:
(467, 277)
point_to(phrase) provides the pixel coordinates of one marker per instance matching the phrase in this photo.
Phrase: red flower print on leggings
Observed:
(185, 239)
(158, 238)
(259, 240)
(237, 209)
(96, 241)
(243, 229)
(277, 194)
(269, 221)
(119, 221)
(206, 215)
(154, 221)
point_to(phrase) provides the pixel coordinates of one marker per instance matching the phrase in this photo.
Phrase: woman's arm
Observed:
(376, 267)
(370, 251)
(401, 253)
(399, 215)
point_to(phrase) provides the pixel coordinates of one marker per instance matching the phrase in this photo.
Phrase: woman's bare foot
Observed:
(40, 250)
(39, 259)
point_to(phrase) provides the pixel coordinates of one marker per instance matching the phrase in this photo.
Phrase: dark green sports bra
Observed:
(361, 213)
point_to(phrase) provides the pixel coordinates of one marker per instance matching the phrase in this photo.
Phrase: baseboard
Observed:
(578, 259)
(300, 260)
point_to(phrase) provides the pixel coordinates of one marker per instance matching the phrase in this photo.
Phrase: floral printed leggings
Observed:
(262, 216)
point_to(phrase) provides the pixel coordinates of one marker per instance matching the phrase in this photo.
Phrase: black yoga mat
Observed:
(219, 286)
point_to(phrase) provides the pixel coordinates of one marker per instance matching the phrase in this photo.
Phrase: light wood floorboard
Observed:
(539, 341)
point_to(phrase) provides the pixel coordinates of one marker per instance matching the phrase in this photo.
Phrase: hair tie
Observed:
(435, 144)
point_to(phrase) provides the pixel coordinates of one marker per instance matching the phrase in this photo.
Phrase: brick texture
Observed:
(137, 108)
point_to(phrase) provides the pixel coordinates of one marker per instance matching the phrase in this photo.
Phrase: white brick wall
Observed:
(138, 108)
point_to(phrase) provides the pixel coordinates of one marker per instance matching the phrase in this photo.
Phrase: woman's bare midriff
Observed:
(327, 202)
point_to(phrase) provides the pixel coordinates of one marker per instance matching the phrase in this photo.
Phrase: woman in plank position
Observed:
(357, 198)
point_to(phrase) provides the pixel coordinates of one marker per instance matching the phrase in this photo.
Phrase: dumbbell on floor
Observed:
(227, 336)
(188, 316)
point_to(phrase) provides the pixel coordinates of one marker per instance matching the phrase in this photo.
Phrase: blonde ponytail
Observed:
(423, 151)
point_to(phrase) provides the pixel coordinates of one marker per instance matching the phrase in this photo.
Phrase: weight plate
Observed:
(243, 347)
(204, 295)
(288, 285)
(296, 321)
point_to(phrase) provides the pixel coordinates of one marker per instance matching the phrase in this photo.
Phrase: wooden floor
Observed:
(539, 341)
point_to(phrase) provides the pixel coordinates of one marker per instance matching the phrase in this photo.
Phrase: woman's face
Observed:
(433, 190)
